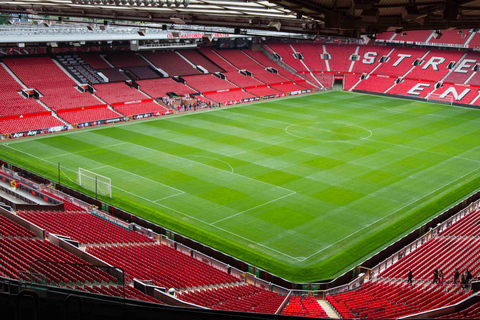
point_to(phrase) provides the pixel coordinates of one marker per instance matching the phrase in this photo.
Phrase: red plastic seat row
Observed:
(118, 92)
(246, 298)
(33, 259)
(304, 306)
(170, 62)
(158, 88)
(119, 291)
(83, 227)
(165, 266)
(8, 228)
(57, 88)
(383, 299)
(29, 123)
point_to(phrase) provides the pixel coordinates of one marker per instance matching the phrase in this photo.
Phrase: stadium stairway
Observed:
(422, 58)
(154, 66)
(309, 71)
(327, 61)
(457, 63)
(188, 61)
(332, 314)
(285, 53)
(470, 38)
(267, 62)
(352, 64)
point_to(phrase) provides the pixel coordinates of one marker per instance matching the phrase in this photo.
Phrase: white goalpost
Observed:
(94, 182)
(440, 98)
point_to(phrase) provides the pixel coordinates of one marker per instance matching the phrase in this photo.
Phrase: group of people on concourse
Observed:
(462, 279)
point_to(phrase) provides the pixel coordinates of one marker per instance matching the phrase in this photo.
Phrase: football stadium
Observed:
(239, 159)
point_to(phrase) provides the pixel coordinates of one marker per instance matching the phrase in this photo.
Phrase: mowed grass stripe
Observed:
(344, 200)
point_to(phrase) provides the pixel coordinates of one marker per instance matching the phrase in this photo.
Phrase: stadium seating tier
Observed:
(158, 88)
(122, 59)
(245, 298)
(170, 62)
(230, 96)
(304, 306)
(207, 83)
(138, 108)
(57, 88)
(375, 84)
(157, 263)
(389, 300)
(286, 52)
(83, 227)
(28, 123)
(118, 92)
(88, 115)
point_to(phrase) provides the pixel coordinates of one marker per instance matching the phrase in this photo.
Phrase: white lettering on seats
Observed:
(418, 87)
(402, 57)
(434, 62)
(465, 66)
(369, 57)
(453, 91)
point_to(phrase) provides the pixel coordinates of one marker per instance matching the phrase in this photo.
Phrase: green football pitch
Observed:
(302, 187)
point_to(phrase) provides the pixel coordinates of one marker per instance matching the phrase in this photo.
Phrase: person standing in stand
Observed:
(468, 276)
(435, 276)
(410, 276)
(463, 283)
(456, 275)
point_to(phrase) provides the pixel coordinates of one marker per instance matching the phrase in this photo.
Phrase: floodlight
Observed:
(275, 25)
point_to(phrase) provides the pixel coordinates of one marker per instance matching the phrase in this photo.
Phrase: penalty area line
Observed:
(173, 210)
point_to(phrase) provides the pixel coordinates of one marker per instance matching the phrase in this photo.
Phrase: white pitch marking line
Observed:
(173, 195)
(238, 213)
(324, 140)
(389, 215)
(70, 153)
(98, 168)
(228, 164)
(179, 212)
(394, 111)
(258, 244)
(142, 177)
(175, 156)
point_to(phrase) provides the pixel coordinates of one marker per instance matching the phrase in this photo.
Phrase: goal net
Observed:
(440, 98)
(94, 182)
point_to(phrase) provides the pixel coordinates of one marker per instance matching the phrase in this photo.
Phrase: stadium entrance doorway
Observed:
(338, 83)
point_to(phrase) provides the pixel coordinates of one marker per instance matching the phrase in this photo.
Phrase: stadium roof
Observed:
(341, 17)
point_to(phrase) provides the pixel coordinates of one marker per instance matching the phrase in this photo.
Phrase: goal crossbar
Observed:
(440, 98)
